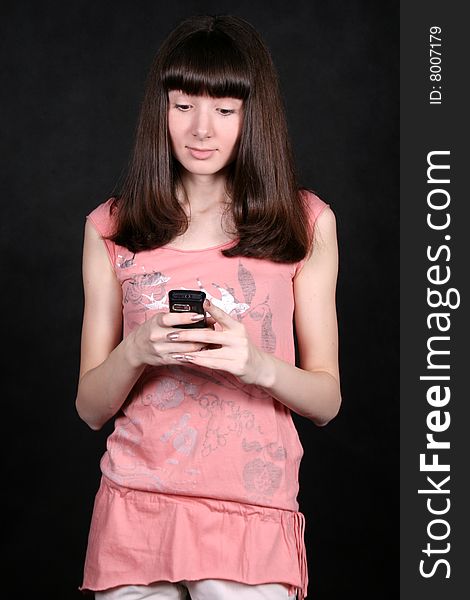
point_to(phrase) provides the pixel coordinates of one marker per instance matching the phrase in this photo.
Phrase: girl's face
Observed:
(204, 131)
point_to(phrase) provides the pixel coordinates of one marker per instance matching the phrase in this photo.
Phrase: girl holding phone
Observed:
(200, 474)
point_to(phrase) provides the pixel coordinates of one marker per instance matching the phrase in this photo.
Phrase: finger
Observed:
(219, 315)
(183, 348)
(205, 336)
(210, 322)
(169, 319)
(212, 359)
(220, 353)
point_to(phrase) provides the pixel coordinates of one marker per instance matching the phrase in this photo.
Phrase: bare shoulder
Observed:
(322, 261)
(95, 256)
(325, 228)
(92, 235)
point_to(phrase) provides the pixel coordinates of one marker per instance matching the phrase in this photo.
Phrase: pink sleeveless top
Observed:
(200, 475)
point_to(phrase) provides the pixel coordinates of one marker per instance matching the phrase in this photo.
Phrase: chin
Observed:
(203, 169)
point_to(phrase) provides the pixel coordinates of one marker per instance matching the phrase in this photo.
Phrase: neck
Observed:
(205, 193)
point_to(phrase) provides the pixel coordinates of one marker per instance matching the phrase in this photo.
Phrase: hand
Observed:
(151, 344)
(228, 349)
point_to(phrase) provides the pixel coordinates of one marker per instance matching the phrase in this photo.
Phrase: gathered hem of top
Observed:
(138, 538)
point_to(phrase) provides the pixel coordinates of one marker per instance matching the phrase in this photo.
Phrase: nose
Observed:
(202, 125)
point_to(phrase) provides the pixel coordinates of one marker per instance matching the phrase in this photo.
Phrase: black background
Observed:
(73, 77)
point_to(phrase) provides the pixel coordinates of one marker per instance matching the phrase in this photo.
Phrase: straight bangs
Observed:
(207, 63)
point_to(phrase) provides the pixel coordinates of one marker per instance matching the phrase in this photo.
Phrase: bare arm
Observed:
(110, 366)
(313, 390)
(107, 374)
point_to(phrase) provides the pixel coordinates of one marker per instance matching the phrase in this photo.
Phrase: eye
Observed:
(183, 107)
(225, 112)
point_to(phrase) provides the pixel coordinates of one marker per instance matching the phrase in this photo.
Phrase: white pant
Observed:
(206, 589)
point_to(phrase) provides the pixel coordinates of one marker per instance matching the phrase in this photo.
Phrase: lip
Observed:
(201, 153)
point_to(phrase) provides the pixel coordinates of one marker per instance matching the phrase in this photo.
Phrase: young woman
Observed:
(200, 475)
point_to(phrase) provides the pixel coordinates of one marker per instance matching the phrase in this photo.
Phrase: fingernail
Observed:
(187, 357)
(173, 336)
(207, 302)
(177, 356)
(197, 317)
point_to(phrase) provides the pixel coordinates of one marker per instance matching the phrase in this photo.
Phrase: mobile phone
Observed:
(184, 301)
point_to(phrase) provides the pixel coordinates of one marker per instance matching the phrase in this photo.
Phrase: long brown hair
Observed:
(220, 56)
